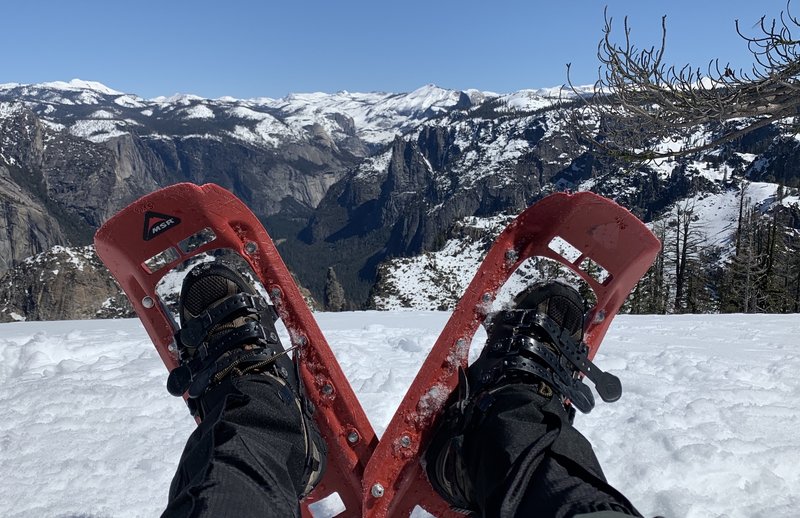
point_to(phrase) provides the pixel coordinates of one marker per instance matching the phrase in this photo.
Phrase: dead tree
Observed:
(639, 101)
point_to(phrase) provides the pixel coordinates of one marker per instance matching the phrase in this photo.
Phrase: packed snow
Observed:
(707, 426)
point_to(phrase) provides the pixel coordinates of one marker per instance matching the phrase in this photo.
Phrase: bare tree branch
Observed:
(639, 102)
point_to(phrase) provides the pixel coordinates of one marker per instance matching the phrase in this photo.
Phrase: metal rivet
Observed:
(276, 293)
(327, 389)
(405, 441)
(172, 347)
(352, 437)
(511, 255)
(250, 247)
(148, 302)
(487, 297)
(377, 490)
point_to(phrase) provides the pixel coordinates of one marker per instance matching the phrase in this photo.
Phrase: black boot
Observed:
(523, 349)
(228, 332)
(531, 344)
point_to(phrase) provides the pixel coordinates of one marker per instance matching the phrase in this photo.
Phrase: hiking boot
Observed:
(525, 344)
(228, 331)
(524, 347)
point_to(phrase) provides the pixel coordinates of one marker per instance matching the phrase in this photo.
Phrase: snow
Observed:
(707, 425)
(180, 99)
(79, 84)
(247, 113)
(104, 114)
(530, 100)
(98, 130)
(788, 201)
(375, 165)
(55, 126)
(434, 280)
(78, 257)
(129, 101)
(266, 132)
(199, 111)
(10, 109)
(378, 117)
(375, 117)
(207, 136)
(246, 134)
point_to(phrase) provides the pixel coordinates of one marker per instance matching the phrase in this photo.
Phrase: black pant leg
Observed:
(246, 459)
(526, 459)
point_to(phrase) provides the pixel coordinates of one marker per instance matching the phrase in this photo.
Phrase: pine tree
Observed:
(702, 273)
(650, 294)
(334, 293)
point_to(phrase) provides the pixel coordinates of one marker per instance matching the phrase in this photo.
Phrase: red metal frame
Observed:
(601, 230)
(121, 247)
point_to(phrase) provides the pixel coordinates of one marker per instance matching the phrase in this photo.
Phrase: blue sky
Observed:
(252, 49)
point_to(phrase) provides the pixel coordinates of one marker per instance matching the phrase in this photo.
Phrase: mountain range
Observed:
(363, 183)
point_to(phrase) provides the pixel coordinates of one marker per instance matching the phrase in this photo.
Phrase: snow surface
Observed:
(378, 117)
(79, 84)
(180, 99)
(10, 109)
(707, 426)
(129, 101)
(375, 117)
(97, 130)
(199, 111)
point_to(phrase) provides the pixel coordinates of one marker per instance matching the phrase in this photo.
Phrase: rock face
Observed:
(26, 227)
(62, 283)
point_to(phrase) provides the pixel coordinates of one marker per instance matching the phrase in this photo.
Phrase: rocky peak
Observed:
(21, 136)
(62, 283)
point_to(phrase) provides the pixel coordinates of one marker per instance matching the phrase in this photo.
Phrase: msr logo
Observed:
(155, 223)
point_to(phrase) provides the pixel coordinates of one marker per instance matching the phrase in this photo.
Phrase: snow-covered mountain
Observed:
(435, 280)
(347, 180)
(93, 111)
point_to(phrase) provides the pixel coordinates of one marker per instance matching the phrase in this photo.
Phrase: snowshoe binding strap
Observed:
(240, 304)
(533, 332)
(203, 365)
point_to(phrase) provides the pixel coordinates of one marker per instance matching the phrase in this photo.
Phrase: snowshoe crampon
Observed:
(170, 227)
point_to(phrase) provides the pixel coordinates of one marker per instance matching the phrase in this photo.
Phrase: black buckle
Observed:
(196, 329)
(195, 375)
(543, 328)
